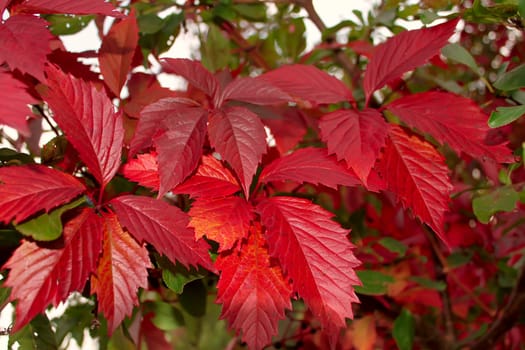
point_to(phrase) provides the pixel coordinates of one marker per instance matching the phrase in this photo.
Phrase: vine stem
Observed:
(46, 118)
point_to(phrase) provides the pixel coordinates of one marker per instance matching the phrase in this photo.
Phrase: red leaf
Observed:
(224, 220)
(116, 53)
(195, 73)
(164, 226)
(355, 136)
(309, 83)
(87, 117)
(405, 52)
(77, 7)
(211, 180)
(154, 119)
(254, 90)
(144, 170)
(418, 175)
(20, 35)
(144, 89)
(316, 255)
(288, 128)
(451, 119)
(43, 275)
(151, 335)
(253, 291)
(121, 272)
(239, 136)
(14, 99)
(309, 165)
(180, 147)
(25, 190)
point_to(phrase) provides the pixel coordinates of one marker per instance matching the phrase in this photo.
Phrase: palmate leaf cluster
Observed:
(364, 193)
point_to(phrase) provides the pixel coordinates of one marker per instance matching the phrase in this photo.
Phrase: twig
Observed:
(508, 316)
(46, 118)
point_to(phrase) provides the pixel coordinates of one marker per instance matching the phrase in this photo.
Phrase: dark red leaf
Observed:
(309, 83)
(25, 190)
(224, 220)
(21, 35)
(211, 180)
(309, 165)
(88, 118)
(195, 73)
(116, 53)
(316, 255)
(405, 52)
(144, 169)
(151, 122)
(253, 291)
(163, 226)
(14, 101)
(451, 119)
(121, 272)
(355, 136)
(180, 147)
(144, 89)
(239, 136)
(77, 7)
(43, 275)
(254, 90)
(417, 174)
(287, 128)
(153, 337)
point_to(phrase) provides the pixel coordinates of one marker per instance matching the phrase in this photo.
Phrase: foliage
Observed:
(351, 196)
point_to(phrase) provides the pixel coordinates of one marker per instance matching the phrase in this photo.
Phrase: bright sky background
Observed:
(330, 11)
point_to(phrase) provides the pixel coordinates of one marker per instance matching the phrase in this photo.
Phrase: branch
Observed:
(507, 317)
(339, 55)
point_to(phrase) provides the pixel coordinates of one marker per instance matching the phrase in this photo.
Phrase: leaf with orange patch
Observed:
(121, 272)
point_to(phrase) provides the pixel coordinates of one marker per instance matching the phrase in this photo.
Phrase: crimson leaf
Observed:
(418, 175)
(405, 52)
(25, 190)
(253, 291)
(211, 180)
(90, 123)
(309, 165)
(164, 226)
(298, 80)
(14, 99)
(195, 73)
(121, 271)
(144, 170)
(21, 34)
(77, 7)
(43, 275)
(239, 136)
(224, 220)
(355, 136)
(116, 53)
(452, 119)
(316, 255)
(180, 147)
(254, 90)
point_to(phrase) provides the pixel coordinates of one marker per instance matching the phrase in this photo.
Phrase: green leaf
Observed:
(149, 23)
(428, 283)
(252, 12)
(38, 334)
(374, 282)
(74, 321)
(521, 8)
(177, 276)
(166, 316)
(458, 53)
(394, 245)
(119, 341)
(11, 157)
(403, 330)
(193, 299)
(457, 259)
(67, 24)
(48, 226)
(501, 199)
(216, 54)
(512, 80)
(505, 115)
(290, 37)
